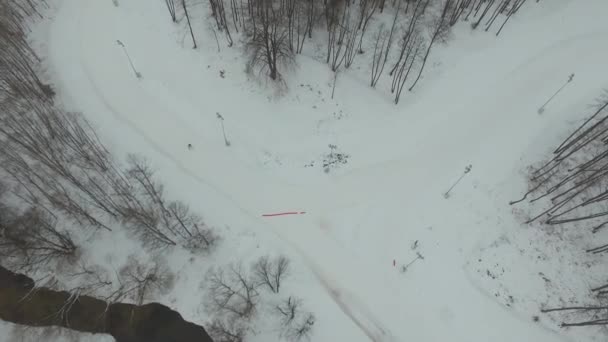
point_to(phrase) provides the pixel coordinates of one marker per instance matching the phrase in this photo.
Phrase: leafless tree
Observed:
(379, 59)
(571, 191)
(303, 328)
(337, 15)
(517, 4)
(218, 11)
(238, 16)
(367, 9)
(288, 310)
(295, 324)
(405, 66)
(184, 7)
(270, 273)
(143, 281)
(411, 31)
(58, 165)
(350, 42)
(143, 215)
(311, 15)
(591, 315)
(440, 29)
(233, 293)
(158, 222)
(233, 298)
(296, 21)
(227, 330)
(92, 280)
(457, 10)
(379, 47)
(572, 177)
(32, 239)
(269, 44)
(488, 6)
(171, 8)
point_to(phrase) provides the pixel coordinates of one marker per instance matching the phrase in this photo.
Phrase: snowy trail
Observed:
(384, 306)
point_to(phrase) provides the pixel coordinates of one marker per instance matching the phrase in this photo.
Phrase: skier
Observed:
(190, 146)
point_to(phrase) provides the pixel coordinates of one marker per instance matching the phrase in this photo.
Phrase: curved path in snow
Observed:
(487, 118)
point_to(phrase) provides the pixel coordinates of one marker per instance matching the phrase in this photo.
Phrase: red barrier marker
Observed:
(285, 213)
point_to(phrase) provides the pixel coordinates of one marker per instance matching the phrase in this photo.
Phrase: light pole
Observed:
(466, 170)
(124, 48)
(221, 118)
(542, 108)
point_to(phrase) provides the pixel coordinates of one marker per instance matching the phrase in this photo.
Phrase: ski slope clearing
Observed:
(476, 105)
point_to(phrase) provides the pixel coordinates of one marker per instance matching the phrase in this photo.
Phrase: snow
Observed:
(12, 333)
(476, 105)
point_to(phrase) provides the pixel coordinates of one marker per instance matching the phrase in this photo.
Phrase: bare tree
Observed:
(338, 28)
(62, 171)
(161, 223)
(185, 5)
(376, 67)
(517, 4)
(32, 239)
(570, 179)
(144, 281)
(489, 4)
(411, 57)
(288, 310)
(270, 273)
(295, 324)
(296, 21)
(440, 28)
(227, 330)
(234, 293)
(571, 190)
(219, 13)
(367, 9)
(233, 298)
(269, 44)
(591, 315)
(411, 32)
(171, 8)
(378, 64)
(92, 280)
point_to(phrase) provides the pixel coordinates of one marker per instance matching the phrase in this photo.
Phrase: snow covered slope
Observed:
(477, 105)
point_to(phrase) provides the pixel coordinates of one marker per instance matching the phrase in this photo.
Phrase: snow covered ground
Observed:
(479, 280)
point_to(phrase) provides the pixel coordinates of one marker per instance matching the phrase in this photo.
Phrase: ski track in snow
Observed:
(354, 309)
(360, 301)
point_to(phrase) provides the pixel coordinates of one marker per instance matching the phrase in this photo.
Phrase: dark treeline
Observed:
(58, 170)
(60, 184)
(275, 31)
(572, 190)
(61, 188)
